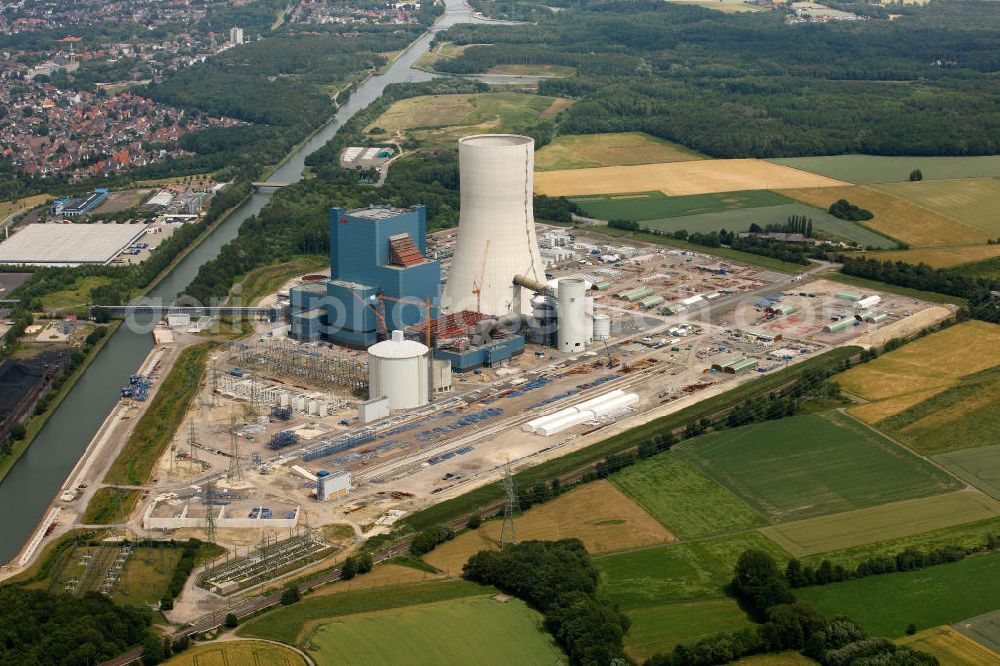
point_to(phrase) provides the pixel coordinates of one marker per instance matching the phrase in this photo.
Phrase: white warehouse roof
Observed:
(68, 244)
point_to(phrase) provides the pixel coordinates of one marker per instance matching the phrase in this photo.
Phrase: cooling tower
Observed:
(496, 229)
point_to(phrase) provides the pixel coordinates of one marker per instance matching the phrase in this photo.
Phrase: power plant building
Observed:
(374, 252)
(496, 229)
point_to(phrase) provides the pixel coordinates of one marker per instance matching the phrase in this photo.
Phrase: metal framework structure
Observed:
(511, 508)
(235, 472)
(209, 512)
(314, 365)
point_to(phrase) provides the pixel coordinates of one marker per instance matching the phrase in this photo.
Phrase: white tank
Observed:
(496, 229)
(602, 327)
(574, 329)
(398, 369)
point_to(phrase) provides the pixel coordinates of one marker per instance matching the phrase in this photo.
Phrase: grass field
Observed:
(583, 151)
(884, 605)
(984, 629)
(987, 269)
(440, 120)
(870, 169)
(813, 465)
(932, 363)
(878, 523)
(8, 208)
(383, 575)
(156, 427)
(476, 629)
(77, 296)
(110, 505)
(544, 472)
(684, 500)
(944, 257)
(740, 220)
(598, 514)
(146, 576)
(963, 416)
(951, 647)
(266, 280)
(289, 624)
(896, 216)
(980, 466)
(548, 71)
(230, 653)
(683, 571)
(642, 206)
(678, 178)
(658, 629)
(972, 201)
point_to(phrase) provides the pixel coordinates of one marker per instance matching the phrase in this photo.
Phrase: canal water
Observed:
(39, 474)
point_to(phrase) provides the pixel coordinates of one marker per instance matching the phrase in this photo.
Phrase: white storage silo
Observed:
(574, 330)
(602, 327)
(398, 369)
(496, 229)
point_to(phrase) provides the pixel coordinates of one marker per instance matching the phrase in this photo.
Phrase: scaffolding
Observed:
(315, 366)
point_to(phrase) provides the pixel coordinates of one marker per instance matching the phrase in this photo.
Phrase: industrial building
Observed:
(79, 205)
(365, 157)
(331, 486)
(66, 245)
(380, 278)
(496, 228)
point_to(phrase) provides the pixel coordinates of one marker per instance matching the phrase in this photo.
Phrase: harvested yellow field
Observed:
(840, 531)
(557, 105)
(384, 575)
(598, 514)
(10, 207)
(584, 151)
(941, 257)
(971, 201)
(229, 653)
(679, 178)
(934, 362)
(951, 647)
(873, 412)
(896, 217)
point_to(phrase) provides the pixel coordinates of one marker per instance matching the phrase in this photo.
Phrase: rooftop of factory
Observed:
(68, 244)
(379, 212)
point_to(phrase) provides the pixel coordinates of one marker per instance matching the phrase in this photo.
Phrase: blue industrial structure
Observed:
(373, 251)
(79, 205)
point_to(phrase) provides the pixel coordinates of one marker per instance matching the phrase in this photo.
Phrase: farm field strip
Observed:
(879, 523)
(884, 605)
(816, 464)
(678, 178)
(894, 216)
(683, 499)
(984, 629)
(951, 647)
(229, 653)
(645, 206)
(599, 514)
(872, 169)
(658, 629)
(979, 467)
(972, 202)
(940, 257)
(476, 629)
(580, 151)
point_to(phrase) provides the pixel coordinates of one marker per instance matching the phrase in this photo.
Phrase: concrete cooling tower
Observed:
(496, 229)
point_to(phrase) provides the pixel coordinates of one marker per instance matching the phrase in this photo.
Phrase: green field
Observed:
(76, 296)
(741, 219)
(676, 572)
(268, 279)
(813, 465)
(476, 629)
(884, 605)
(961, 417)
(684, 500)
(581, 151)
(869, 169)
(967, 535)
(988, 269)
(885, 521)
(983, 629)
(287, 624)
(973, 201)
(110, 505)
(642, 206)
(980, 467)
(658, 629)
(156, 427)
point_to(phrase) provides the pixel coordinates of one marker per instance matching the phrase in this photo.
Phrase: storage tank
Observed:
(602, 327)
(496, 228)
(573, 332)
(398, 369)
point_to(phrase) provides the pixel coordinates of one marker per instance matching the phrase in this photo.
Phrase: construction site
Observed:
(423, 365)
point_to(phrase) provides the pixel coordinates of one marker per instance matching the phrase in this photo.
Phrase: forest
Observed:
(748, 84)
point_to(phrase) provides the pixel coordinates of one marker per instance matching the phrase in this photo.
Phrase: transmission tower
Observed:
(235, 470)
(192, 442)
(209, 511)
(511, 508)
